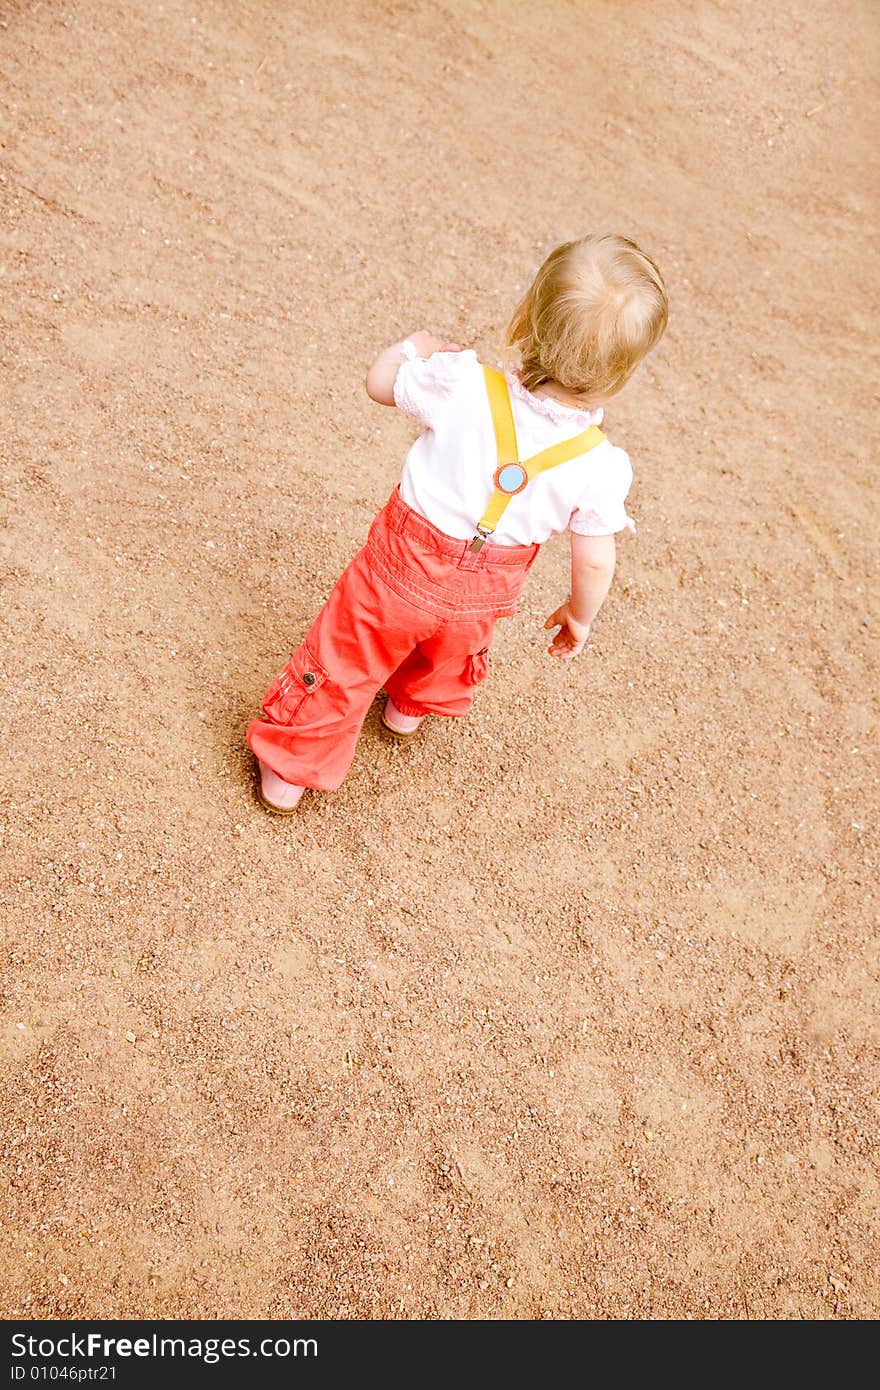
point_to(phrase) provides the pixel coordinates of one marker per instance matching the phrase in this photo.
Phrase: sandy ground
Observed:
(568, 1010)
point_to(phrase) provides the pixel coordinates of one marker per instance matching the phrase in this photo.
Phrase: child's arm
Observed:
(592, 569)
(380, 378)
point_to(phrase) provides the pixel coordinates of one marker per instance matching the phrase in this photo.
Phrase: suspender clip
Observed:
(479, 540)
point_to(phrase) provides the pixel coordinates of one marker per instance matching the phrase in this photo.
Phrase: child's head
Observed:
(595, 308)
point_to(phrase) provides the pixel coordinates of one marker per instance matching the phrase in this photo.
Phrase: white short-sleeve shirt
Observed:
(447, 476)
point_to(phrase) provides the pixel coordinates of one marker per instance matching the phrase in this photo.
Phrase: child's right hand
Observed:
(426, 343)
(572, 635)
(379, 382)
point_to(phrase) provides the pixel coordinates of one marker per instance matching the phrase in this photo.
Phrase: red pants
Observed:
(413, 612)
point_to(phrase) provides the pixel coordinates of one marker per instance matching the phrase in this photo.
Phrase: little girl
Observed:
(505, 460)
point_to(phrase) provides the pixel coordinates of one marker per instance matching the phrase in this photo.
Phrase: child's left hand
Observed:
(572, 635)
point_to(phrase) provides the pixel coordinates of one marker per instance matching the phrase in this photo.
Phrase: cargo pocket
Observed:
(478, 666)
(301, 677)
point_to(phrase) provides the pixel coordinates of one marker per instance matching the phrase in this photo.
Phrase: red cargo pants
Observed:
(413, 612)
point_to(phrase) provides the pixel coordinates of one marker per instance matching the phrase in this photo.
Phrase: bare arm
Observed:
(592, 569)
(381, 376)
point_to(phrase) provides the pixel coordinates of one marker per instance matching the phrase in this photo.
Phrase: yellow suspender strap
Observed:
(505, 440)
(502, 416)
(493, 513)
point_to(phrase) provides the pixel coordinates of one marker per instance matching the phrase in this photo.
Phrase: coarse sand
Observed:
(565, 1010)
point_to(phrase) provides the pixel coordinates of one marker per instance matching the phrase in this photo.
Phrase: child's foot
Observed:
(401, 724)
(276, 794)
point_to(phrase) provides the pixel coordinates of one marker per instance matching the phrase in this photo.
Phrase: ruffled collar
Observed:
(556, 411)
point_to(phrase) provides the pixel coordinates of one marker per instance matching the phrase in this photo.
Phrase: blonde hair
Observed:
(595, 308)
